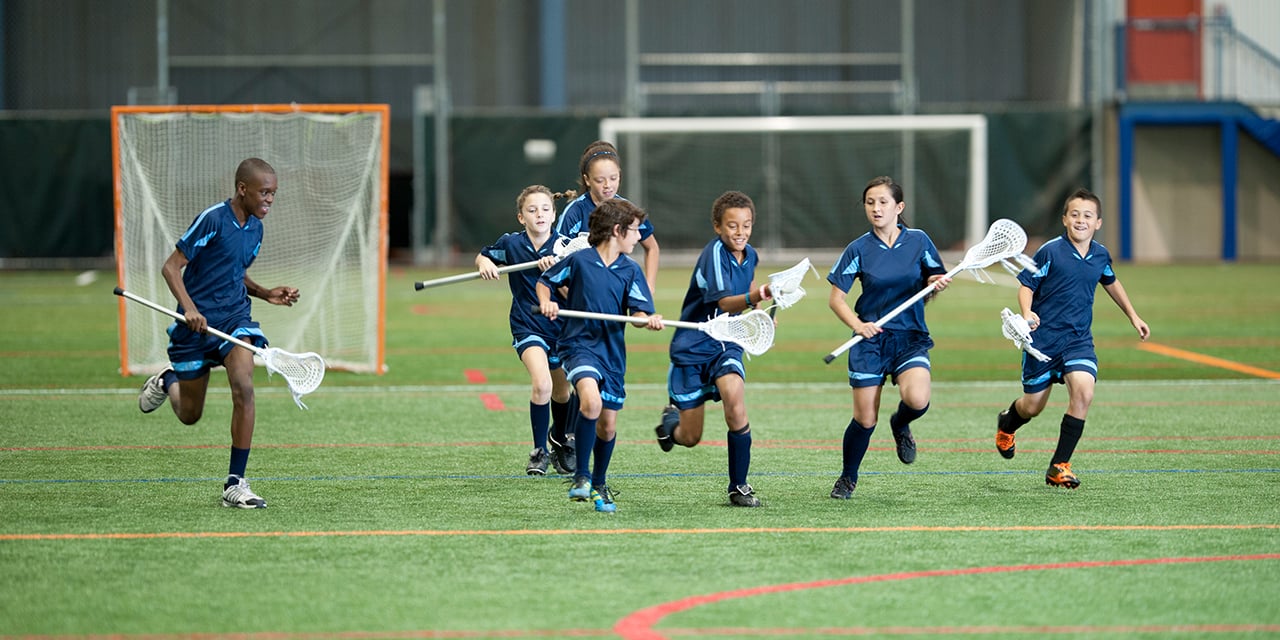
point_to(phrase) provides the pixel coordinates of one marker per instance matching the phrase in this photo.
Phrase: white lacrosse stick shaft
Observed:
(1002, 231)
(258, 351)
(577, 244)
(749, 346)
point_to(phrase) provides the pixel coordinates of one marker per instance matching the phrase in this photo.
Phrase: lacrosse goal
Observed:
(805, 174)
(326, 234)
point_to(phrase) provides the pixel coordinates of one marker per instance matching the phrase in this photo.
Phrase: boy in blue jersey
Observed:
(602, 279)
(534, 336)
(599, 174)
(893, 262)
(1057, 302)
(207, 275)
(704, 369)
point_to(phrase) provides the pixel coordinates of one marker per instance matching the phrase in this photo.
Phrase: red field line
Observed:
(639, 625)
(161, 535)
(718, 631)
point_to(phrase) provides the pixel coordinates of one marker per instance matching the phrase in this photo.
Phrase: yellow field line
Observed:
(545, 532)
(1211, 361)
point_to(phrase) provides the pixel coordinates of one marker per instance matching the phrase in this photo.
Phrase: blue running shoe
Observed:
(603, 498)
(581, 491)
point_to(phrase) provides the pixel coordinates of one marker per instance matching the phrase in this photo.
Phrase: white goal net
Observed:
(805, 174)
(326, 233)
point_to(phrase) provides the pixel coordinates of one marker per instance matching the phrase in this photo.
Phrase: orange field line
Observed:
(8, 537)
(1210, 361)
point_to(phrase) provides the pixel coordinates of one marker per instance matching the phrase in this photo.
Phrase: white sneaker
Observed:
(240, 495)
(152, 394)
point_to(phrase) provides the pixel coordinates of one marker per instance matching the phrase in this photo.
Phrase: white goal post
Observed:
(634, 132)
(326, 233)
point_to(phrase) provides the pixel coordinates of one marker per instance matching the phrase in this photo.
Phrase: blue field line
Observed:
(452, 476)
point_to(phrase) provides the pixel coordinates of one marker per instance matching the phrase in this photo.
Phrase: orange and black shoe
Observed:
(1004, 444)
(1059, 475)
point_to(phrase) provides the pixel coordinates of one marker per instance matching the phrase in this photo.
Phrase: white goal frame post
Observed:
(327, 232)
(611, 129)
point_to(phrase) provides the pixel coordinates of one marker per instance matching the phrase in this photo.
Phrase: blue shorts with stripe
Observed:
(693, 385)
(524, 342)
(887, 355)
(192, 354)
(1067, 354)
(579, 365)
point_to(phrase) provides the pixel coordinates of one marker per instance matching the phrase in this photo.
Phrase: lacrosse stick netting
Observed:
(1004, 240)
(303, 372)
(785, 287)
(752, 331)
(1015, 328)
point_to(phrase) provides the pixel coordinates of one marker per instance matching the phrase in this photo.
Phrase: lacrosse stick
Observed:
(302, 371)
(1015, 328)
(563, 248)
(1004, 240)
(753, 331)
(785, 287)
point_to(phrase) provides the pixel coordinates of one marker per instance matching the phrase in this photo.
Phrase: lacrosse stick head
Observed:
(303, 372)
(785, 284)
(1015, 328)
(1005, 239)
(753, 331)
(566, 246)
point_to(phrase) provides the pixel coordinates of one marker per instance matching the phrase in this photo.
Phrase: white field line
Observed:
(646, 387)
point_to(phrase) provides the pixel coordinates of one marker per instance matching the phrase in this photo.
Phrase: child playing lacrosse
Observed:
(602, 279)
(207, 275)
(534, 336)
(1057, 303)
(599, 174)
(704, 369)
(893, 262)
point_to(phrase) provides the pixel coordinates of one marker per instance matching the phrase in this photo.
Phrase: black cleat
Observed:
(843, 489)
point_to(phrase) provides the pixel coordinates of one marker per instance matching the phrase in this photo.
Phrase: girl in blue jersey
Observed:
(599, 174)
(1057, 302)
(893, 262)
(207, 274)
(602, 279)
(534, 336)
(704, 369)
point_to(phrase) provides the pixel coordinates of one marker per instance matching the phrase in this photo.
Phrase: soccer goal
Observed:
(326, 233)
(805, 174)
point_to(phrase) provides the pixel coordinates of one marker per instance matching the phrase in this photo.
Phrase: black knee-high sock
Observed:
(1012, 420)
(739, 456)
(856, 440)
(586, 443)
(559, 421)
(1068, 437)
(539, 417)
(905, 416)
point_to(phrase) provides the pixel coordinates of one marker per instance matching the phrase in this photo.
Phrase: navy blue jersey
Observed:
(218, 252)
(573, 220)
(619, 288)
(516, 248)
(889, 275)
(1064, 286)
(716, 275)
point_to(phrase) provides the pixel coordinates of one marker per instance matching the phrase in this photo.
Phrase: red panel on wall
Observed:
(1163, 42)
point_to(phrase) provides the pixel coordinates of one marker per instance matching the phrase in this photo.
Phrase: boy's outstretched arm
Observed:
(1117, 293)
